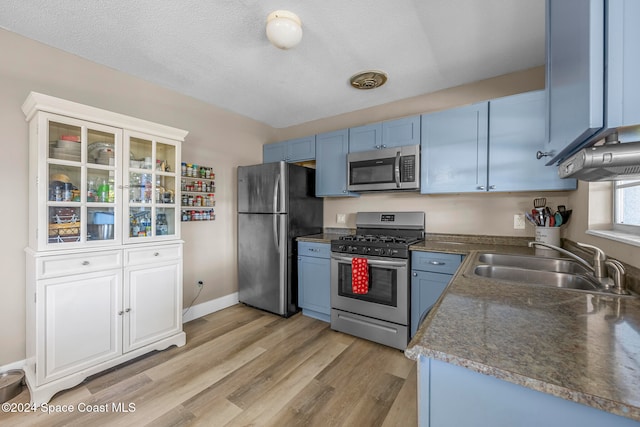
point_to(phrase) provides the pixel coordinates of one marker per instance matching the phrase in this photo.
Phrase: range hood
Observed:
(609, 162)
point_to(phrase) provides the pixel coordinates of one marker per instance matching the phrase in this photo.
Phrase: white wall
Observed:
(216, 138)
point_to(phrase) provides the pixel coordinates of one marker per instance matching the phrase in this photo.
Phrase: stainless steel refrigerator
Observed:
(276, 204)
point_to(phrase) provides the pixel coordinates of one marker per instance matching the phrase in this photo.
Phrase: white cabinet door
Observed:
(80, 320)
(152, 303)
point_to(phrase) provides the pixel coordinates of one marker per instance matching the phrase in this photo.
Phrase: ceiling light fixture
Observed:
(284, 29)
(370, 79)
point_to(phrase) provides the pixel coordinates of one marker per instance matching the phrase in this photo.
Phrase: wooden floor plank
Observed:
(243, 366)
(404, 410)
(300, 411)
(287, 388)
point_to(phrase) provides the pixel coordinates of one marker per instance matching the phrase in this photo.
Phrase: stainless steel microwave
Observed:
(388, 169)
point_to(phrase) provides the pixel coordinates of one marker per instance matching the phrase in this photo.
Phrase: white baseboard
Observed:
(209, 307)
(15, 365)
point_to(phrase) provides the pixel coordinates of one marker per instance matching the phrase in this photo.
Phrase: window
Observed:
(626, 202)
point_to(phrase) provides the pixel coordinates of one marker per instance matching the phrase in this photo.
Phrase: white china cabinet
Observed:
(104, 262)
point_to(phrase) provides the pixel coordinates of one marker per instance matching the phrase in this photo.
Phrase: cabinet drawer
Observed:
(59, 265)
(435, 262)
(152, 254)
(318, 250)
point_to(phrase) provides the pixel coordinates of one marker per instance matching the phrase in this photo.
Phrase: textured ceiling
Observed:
(217, 51)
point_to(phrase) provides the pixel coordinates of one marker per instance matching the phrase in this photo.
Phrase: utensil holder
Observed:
(550, 235)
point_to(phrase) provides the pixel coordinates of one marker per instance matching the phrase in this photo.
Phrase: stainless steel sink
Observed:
(533, 263)
(536, 277)
(530, 270)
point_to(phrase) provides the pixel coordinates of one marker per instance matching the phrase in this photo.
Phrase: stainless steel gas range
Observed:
(378, 256)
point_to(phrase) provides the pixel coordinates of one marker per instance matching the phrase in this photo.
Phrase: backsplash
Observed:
(488, 214)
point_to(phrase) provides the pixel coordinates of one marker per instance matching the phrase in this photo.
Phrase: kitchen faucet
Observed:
(599, 268)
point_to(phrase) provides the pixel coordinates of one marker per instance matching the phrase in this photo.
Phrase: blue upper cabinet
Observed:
(455, 150)
(274, 152)
(575, 72)
(294, 150)
(400, 132)
(365, 138)
(331, 164)
(592, 64)
(517, 131)
(392, 133)
(489, 146)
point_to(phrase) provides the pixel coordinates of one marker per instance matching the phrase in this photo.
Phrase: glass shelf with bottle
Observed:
(80, 164)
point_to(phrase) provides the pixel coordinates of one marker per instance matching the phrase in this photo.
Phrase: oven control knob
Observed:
(342, 248)
(366, 250)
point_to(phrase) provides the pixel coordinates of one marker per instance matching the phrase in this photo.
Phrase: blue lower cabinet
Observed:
(453, 396)
(430, 275)
(426, 288)
(314, 280)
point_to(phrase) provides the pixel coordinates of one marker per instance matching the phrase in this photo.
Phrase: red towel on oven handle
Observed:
(359, 276)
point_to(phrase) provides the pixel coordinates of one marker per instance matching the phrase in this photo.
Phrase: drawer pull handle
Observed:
(127, 310)
(437, 263)
(120, 313)
(156, 254)
(85, 263)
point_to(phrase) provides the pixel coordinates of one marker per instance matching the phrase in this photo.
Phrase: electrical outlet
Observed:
(341, 218)
(200, 284)
(518, 222)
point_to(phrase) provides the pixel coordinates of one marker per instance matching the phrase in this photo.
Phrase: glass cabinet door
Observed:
(81, 180)
(152, 188)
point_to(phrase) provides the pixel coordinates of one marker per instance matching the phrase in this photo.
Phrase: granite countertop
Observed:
(327, 236)
(575, 345)
(318, 238)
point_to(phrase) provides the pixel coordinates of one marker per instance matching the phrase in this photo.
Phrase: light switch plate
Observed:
(341, 218)
(518, 222)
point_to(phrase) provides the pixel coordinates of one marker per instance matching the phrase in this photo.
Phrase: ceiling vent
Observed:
(368, 79)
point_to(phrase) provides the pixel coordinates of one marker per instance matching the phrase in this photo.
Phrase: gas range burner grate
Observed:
(378, 239)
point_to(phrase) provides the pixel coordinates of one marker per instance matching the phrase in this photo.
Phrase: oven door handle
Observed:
(372, 262)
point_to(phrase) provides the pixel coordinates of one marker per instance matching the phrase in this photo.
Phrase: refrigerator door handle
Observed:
(276, 234)
(276, 194)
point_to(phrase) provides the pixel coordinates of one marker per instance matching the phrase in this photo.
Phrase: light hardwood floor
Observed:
(241, 367)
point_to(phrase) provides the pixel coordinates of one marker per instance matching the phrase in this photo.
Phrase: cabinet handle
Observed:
(481, 187)
(85, 262)
(541, 154)
(384, 146)
(156, 254)
(415, 274)
(437, 263)
(120, 313)
(492, 187)
(377, 147)
(127, 310)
